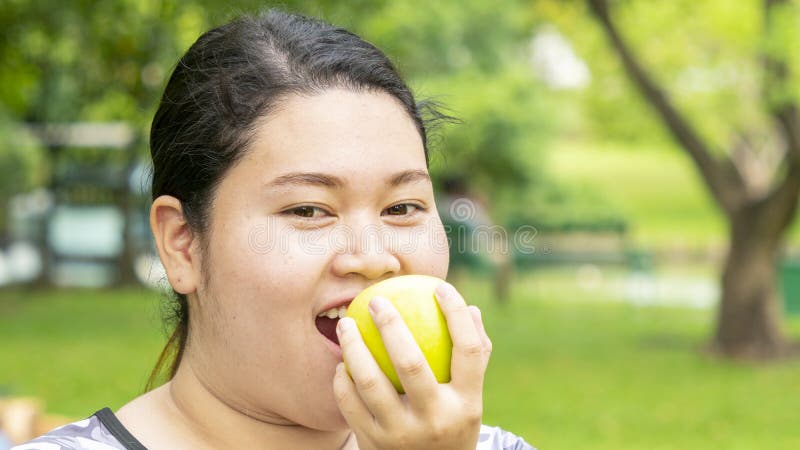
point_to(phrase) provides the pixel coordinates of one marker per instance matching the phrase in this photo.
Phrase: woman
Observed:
(281, 147)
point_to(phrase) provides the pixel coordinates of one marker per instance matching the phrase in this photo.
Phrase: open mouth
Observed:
(327, 327)
(326, 323)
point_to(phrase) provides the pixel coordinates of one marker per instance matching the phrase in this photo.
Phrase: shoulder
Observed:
(88, 434)
(495, 438)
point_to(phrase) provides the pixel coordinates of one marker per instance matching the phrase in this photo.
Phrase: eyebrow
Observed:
(332, 181)
(408, 176)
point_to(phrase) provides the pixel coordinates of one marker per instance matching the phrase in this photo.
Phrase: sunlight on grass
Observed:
(657, 190)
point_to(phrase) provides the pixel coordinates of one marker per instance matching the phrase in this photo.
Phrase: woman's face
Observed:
(332, 196)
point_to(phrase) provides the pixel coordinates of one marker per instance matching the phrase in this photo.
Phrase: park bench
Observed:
(577, 243)
(530, 246)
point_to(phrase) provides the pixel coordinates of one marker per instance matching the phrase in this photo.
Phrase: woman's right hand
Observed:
(430, 415)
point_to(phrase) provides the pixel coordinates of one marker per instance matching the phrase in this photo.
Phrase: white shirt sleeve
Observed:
(494, 438)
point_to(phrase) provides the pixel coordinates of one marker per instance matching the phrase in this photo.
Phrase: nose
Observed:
(365, 250)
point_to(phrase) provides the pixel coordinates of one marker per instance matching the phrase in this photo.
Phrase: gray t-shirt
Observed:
(103, 431)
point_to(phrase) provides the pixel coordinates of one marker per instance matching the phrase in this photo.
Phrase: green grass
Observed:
(78, 350)
(658, 190)
(574, 372)
(567, 372)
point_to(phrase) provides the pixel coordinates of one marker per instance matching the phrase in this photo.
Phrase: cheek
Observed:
(424, 248)
(261, 249)
(262, 284)
(257, 271)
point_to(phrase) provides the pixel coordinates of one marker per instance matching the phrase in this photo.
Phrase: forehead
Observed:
(342, 132)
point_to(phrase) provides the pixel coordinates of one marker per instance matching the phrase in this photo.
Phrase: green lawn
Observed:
(567, 372)
(581, 373)
(79, 350)
(656, 189)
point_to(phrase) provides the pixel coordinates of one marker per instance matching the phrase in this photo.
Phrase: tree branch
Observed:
(781, 203)
(780, 206)
(726, 185)
(776, 77)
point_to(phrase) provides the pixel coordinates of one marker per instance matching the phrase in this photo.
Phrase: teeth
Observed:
(334, 313)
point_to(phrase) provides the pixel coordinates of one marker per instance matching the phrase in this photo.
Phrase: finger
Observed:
(353, 409)
(485, 341)
(375, 390)
(409, 362)
(467, 366)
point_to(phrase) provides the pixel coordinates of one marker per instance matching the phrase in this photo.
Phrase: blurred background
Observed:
(620, 198)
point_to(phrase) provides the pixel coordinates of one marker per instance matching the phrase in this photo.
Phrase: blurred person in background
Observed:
(476, 242)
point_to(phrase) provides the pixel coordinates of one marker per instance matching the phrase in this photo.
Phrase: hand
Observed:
(430, 415)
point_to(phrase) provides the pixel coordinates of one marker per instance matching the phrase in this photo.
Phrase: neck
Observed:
(218, 424)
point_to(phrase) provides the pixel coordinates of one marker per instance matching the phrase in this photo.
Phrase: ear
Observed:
(176, 244)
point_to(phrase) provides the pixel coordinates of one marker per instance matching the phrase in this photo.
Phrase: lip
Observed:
(336, 303)
(342, 301)
(332, 347)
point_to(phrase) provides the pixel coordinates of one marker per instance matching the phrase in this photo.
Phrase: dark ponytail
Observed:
(169, 358)
(231, 76)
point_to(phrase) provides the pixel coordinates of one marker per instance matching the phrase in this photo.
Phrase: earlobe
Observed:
(175, 244)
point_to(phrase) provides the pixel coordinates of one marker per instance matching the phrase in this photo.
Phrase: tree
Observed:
(758, 213)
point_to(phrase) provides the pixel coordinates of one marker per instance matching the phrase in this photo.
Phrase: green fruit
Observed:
(413, 296)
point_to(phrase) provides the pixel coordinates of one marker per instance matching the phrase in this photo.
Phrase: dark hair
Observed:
(232, 76)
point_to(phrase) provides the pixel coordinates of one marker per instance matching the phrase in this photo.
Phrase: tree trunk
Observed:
(748, 325)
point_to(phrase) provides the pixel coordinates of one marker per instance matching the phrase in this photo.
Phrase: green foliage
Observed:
(20, 153)
(707, 55)
(88, 61)
(503, 127)
(471, 57)
(780, 42)
(68, 57)
(20, 161)
(427, 38)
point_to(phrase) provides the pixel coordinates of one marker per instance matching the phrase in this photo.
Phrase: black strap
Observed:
(119, 431)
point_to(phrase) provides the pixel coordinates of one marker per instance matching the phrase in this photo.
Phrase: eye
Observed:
(402, 209)
(307, 212)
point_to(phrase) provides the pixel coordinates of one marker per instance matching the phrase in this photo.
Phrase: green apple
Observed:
(413, 296)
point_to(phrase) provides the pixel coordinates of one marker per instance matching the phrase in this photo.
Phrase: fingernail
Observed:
(443, 290)
(477, 310)
(378, 304)
(345, 324)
